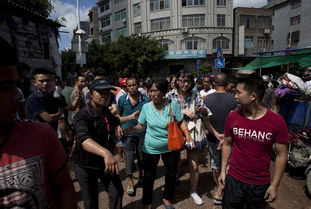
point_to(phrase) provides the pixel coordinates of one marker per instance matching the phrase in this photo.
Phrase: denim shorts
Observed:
(215, 156)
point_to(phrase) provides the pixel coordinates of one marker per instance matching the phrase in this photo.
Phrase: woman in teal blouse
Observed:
(153, 119)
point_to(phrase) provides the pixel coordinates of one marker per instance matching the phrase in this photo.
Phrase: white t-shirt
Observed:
(204, 93)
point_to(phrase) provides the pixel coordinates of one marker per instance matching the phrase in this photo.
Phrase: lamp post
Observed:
(79, 33)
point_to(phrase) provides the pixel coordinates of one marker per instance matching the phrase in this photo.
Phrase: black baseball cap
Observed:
(101, 84)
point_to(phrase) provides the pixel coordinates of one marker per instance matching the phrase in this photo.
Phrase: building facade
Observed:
(291, 24)
(33, 36)
(252, 31)
(94, 24)
(188, 29)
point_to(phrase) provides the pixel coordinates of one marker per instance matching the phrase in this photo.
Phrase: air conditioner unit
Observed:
(184, 30)
(124, 20)
(267, 31)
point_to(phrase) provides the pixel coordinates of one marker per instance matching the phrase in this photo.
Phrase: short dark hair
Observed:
(22, 67)
(231, 79)
(100, 72)
(8, 55)
(199, 80)
(133, 78)
(43, 71)
(220, 79)
(78, 76)
(161, 84)
(253, 84)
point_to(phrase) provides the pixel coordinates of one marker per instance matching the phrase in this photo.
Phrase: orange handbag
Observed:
(176, 138)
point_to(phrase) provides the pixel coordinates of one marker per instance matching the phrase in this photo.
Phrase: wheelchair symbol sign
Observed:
(220, 62)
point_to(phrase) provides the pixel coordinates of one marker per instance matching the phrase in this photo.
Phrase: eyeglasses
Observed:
(185, 81)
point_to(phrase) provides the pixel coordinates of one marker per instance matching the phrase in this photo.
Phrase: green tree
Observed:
(292, 68)
(133, 54)
(42, 7)
(68, 60)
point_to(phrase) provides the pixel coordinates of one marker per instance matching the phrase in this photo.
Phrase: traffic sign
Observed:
(220, 62)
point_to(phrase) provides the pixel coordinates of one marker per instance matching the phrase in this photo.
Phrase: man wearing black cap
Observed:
(94, 129)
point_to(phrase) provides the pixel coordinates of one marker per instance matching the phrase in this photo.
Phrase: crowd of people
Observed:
(97, 124)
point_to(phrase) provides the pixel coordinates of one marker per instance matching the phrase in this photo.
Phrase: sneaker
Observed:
(130, 190)
(217, 202)
(196, 198)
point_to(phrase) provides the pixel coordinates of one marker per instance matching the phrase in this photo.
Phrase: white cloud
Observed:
(249, 3)
(69, 12)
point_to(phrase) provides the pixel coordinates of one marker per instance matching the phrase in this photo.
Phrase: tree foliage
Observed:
(68, 60)
(43, 7)
(133, 54)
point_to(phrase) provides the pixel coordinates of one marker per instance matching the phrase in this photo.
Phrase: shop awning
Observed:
(303, 58)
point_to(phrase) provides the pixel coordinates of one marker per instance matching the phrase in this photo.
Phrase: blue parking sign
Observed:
(220, 62)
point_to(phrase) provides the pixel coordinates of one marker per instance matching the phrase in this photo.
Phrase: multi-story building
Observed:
(252, 31)
(94, 24)
(290, 23)
(113, 21)
(188, 29)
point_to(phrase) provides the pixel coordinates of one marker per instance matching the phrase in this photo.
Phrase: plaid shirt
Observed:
(185, 105)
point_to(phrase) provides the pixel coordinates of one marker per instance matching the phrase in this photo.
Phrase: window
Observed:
(264, 22)
(91, 31)
(105, 6)
(293, 38)
(192, 2)
(221, 42)
(262, 43)
(165, 43)
(159, 4)
(295, 20)
(221, 3)
(117, 1)
(295, 4)
(193, 20)
(137, 28)
(121, 32)
(248, 21)
(249, 42)
(221, 20)
(136, 10)
(120, 15)
(191, 43)
(105, 21)
(91, 17)
(106, 36)
(160, 24)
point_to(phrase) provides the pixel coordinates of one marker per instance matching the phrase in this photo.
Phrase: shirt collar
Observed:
(141, 98)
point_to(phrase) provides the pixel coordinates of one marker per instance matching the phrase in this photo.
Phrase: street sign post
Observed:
(220, 62)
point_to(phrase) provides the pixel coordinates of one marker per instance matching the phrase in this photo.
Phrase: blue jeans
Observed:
(88, 180)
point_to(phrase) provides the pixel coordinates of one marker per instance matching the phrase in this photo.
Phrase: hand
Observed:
(271, 193)
(189, 142)
(201, 110)
(219, 136)
(111, 164)
(222, 179)
(119, 132)
(135, 115)
(190, 114)
(129, 130)
(60, 112)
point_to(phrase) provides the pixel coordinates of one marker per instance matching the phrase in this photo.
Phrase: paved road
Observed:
(291, 192)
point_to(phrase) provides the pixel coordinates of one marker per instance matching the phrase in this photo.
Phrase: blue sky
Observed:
(67, 9)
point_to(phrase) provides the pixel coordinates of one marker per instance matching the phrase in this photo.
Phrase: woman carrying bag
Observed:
(153, 119)
(196, 115)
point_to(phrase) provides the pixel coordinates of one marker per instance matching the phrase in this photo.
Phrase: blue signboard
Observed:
(220, 62)
(185, 54)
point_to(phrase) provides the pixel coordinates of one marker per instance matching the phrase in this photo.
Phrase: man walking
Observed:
(220, 103)
(129, 103)
(249, 135)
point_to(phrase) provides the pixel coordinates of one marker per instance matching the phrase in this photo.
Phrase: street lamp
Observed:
(79, 33)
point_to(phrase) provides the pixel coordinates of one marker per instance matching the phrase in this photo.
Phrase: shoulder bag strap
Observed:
(171, 113)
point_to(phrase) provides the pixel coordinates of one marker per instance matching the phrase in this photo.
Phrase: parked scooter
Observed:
(299, 151)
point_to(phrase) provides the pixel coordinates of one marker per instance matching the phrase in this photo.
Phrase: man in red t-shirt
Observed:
(33, 171)
(246, 154)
